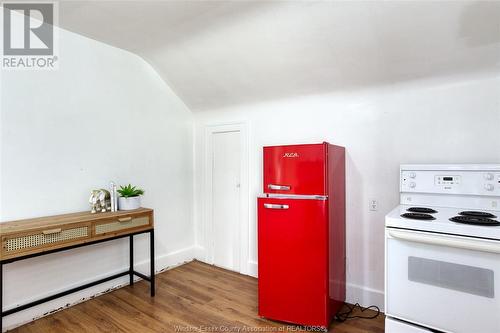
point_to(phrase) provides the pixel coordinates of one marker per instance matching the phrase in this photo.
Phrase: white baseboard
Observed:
(364, 296)
(162, 263)
(200, 253)
(252, 268)
(167, 261)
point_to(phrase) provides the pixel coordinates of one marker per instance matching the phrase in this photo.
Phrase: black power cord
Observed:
(343, 316)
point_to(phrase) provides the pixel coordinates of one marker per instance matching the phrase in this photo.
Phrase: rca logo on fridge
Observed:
(291, 155)
(29, 39)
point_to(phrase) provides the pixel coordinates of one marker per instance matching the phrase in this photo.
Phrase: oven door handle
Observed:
(483, 245)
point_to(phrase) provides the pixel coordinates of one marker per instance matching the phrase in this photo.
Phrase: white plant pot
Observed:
(129, 203)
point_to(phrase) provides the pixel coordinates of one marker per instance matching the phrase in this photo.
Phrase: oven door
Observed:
(443, 282)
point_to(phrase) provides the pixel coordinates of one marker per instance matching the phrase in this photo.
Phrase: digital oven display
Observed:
(447, 180)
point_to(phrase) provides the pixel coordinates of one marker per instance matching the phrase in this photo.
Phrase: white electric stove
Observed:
(443, 250)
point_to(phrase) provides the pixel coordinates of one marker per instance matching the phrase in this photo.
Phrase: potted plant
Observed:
(130, 197)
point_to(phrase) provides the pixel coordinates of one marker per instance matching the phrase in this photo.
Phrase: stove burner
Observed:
(477, 214)
(422, 210)
(418, 216)
(475, 220)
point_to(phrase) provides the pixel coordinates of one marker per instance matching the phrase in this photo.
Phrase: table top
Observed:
(64, 219)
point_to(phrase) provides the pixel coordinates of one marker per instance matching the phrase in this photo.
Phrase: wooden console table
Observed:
(30, 238)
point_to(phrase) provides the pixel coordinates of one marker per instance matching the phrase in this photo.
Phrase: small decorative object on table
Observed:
(100, 201)
(114, 197)
(130, 197)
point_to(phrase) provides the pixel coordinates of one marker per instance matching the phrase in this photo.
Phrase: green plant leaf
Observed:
(130, 191)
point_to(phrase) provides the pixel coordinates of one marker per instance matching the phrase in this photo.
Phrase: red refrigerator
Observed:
(301, 234)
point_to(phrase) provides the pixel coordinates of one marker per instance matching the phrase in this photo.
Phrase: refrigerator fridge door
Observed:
(295, 169)
(293, 257)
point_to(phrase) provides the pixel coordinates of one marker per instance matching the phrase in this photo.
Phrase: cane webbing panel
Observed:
(117, 225)
(32, 241)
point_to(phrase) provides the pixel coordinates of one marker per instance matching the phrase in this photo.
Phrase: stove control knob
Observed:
(413, 175)
(413, 185)
(489, 187)
(488, 176)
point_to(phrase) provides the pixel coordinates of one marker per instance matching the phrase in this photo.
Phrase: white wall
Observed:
(104, 115)
(442, 121)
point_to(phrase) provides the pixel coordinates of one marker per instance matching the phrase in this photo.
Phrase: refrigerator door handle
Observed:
(275, 206)
(294, 196)
(278, 187)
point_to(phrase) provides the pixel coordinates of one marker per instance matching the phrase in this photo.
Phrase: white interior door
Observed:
(226, 174)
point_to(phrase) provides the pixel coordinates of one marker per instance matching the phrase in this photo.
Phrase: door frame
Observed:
(243, 230)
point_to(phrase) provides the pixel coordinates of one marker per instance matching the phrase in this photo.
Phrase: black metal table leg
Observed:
(1, 297)
(152, 260)
(131, 259)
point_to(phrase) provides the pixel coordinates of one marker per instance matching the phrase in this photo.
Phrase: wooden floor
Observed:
(195, 297)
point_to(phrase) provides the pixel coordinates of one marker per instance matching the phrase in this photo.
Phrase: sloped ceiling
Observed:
(220, 53)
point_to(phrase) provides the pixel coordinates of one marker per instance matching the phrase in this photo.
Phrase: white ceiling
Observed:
(219, 53)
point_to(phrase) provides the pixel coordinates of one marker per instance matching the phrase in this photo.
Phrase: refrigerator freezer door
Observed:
(293, 260)
(295, 169)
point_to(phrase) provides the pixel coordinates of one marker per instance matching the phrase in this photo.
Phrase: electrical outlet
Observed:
(373, 205)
